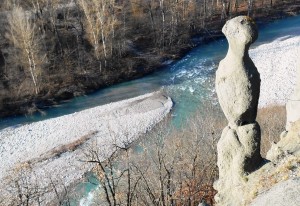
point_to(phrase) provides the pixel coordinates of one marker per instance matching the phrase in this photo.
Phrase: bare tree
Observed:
(163, 19)
(172, 167)
(99, 25)
(22, 188)
(23, 34)
(250, 7)
(25, 188)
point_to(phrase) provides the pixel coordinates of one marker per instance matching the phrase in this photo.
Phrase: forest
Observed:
(52, 50)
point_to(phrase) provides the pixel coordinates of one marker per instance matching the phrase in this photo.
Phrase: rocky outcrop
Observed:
(239, 159)
(288, 145)
(237, 78)
(284, 165)
(237, 87)
(285, 161)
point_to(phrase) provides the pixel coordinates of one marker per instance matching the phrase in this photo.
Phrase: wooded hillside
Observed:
(53, 49)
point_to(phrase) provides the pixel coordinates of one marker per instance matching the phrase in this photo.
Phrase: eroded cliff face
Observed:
(276, 183)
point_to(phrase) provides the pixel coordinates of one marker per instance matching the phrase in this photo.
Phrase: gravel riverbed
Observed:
(55, 149)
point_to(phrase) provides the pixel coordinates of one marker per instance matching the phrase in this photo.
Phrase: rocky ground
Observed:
(277, 181)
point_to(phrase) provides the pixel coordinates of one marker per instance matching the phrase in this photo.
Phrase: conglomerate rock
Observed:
(238, 88)
(288, 145)
(237, 78)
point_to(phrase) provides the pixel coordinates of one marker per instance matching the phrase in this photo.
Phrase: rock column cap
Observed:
(242, 28)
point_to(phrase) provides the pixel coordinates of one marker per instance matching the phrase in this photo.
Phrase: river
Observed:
(189, 81)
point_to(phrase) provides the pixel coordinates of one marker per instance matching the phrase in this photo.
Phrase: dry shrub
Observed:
(272, 122)
(170, 166)
(191, 156)
(177, 166)
(24, 187)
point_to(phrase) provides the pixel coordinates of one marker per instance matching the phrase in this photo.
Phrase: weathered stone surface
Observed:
(292, 112)
(238, 88)
(239, 151)
(283, 194)
(288, 145)
(238, 155)
(237, 78)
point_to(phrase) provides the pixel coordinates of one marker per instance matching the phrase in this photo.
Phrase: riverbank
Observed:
(57, 151)
(78, 75)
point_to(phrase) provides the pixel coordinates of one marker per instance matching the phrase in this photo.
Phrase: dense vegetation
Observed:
(52, 49)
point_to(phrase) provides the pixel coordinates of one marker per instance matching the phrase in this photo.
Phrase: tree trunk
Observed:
(32, 69)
